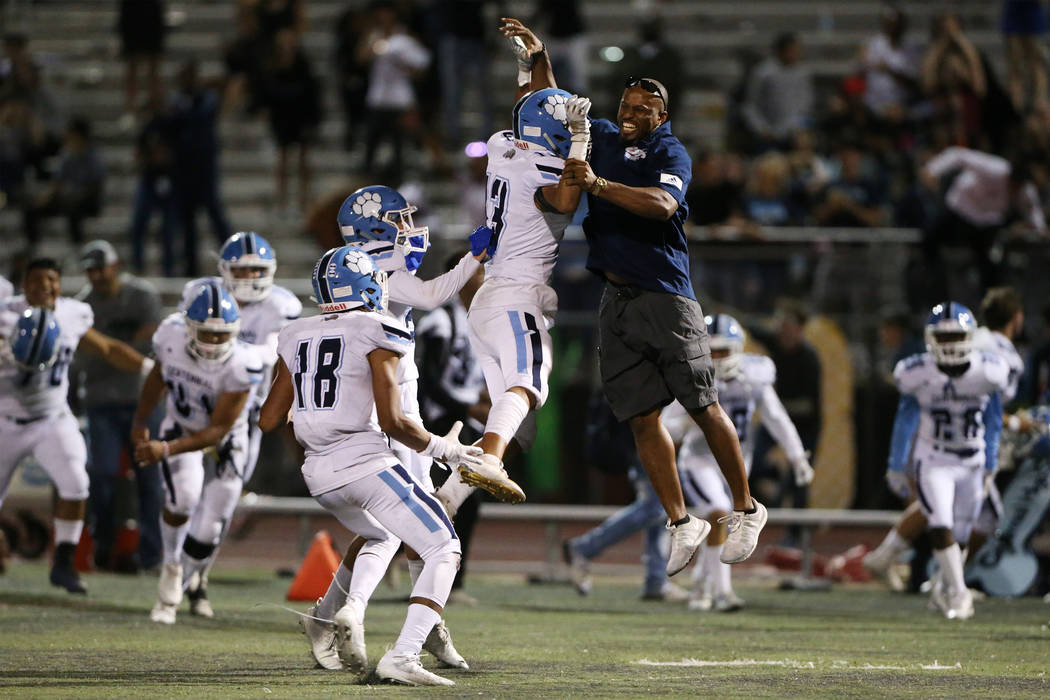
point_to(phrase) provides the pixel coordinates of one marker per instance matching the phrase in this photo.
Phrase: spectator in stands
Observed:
(891, 67)
(21, 78)
(768, 199)
(141, 28)
(714, 196)
(195, 168)
(274, 16)
(897, 340)
(393, 56)
(566, 41)
(986, 194)
(292, 97)
(798, 385)
(351, 72)
(243, 56)
(779, 97)
(128, 309)
(76, 190)
(810, 172)
(452, 388)
(652, 55)
(464, 63)
(854, 197)
(154, 154)
(22, 137)
(953, 76)
(1024, 23)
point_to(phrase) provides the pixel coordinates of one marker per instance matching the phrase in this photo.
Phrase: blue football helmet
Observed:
(34, 340)
(726, 335)
(540, 122)
(347, 278)
(214, 321)
(247, 250)
(950, 328)
(380, 213)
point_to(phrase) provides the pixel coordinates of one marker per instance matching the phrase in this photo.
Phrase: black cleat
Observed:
(63, 574)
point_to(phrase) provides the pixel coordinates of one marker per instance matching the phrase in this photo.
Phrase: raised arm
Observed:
(534, 65)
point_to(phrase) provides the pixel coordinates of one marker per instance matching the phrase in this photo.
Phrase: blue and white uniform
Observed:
(946, 434)
(35, 418)
(749, 389)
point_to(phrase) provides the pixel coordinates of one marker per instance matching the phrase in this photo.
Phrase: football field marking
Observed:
(791, 663)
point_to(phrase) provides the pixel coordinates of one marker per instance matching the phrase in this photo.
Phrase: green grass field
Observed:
(523, 641)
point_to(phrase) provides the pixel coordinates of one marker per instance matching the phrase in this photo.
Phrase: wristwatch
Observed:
(600, 183)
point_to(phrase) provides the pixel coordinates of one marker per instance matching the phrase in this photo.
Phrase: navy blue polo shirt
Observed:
(649, 253)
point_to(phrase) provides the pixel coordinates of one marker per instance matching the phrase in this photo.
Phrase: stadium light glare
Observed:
(612, 54)
(476, 149)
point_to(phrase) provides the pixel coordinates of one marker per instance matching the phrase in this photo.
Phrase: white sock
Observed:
(173, 536)
(415, 568)
(950, 560)
(453, 492)
(68, 531)
(336, 595)
(892, 545)
(371, 563)
(716, 573)
(506, 415)
(418, 623)
(723, 579)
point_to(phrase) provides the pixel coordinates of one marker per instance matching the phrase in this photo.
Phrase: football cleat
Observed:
(579, 568)
(407, 669)
(163, 613)
(685, 541)
(881, 567)
(63, 574)
(960, 606)
(199, 604)
(701, 601)
(492, 477)
(350, 638)
(439, 644)
(169, 588)
(743, 533)
(322, 640)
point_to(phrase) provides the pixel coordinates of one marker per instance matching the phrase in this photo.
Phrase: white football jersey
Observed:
(526, 238)
(194, 386)
(996, 342)
(333, 409)
(751, 389)
(32, 394)
(951, 410)
(261, 321)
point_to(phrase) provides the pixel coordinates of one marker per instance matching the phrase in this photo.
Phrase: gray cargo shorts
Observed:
(652, 349)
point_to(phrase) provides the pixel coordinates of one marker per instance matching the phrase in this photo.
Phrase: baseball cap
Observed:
(97, 254)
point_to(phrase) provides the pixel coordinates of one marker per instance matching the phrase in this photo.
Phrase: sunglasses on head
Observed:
(647, 85)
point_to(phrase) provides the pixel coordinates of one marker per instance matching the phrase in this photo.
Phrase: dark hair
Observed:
(783, 41)
(999, 306)
(43, 264)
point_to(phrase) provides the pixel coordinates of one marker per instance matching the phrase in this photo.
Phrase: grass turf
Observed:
(522, 641)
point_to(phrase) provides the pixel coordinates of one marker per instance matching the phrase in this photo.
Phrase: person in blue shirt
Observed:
(653, 340)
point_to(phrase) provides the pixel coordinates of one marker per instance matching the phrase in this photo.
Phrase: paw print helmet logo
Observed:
(540, 122)
(379, 219)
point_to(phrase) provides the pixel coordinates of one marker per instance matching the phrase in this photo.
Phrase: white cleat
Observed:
(163, 613)
(579, 568)
(322, 640)
(701, 602)
(743, 533)
(685, 541)
(408, 670)
(881, 567)
(492, 477)
(960, 606)
(169, 588)
(439, 644)
(350, 638)
(727, 603)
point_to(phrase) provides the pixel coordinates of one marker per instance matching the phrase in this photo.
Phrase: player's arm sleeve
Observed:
(905, 423)
(993, 430)
(779, 425)
(248, 374)
(430, 294)
(947, 160)
(387, 334)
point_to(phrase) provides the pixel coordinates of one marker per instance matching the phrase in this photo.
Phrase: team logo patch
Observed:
(368, 204)
(633, 153)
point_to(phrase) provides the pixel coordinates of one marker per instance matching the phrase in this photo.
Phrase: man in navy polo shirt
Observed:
(653, 340)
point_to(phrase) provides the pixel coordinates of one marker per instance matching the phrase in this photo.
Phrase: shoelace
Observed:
(735, 520)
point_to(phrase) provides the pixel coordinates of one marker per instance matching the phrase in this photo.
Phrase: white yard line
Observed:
(792, 663)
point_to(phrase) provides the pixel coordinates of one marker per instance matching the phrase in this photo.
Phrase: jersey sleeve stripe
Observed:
(549, 170)
(391, 330)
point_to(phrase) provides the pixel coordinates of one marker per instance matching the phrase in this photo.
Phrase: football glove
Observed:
(451, 451)
(803, 470)
(576, 109)
(481, 241)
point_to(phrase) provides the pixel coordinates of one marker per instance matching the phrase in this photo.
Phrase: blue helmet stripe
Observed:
(322, 277)
(38, 341)
(249, 243)
(216, 307)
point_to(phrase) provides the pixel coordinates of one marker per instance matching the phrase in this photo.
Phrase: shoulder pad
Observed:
(758, 369)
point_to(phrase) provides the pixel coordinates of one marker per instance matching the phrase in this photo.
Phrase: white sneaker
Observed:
(727, 602)
(452, 493)
(743, 533)
(350, 638)
(960, 606)
(701, 601)
(439, 644)
(492, 477)
(579, 568)
(163, 613)
(407, 670)
(322, 640)
(685, 541)
(169, 588)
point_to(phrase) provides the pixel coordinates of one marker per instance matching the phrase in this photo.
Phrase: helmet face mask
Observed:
(726, 342)
(949, 334)
(211, 342)
(381, 213)
(212, 324)
(247, 265)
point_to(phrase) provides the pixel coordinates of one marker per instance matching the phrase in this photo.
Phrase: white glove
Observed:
(803, 470)
(576, 109)
(899, 484)
(451, 451)
(522, 54)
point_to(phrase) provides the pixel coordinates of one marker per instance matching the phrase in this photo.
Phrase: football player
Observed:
(745, 383)
(337, 379)
(950, 408)
(247, 263)
(34, 414)
(209, 376)
(1003, 315)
